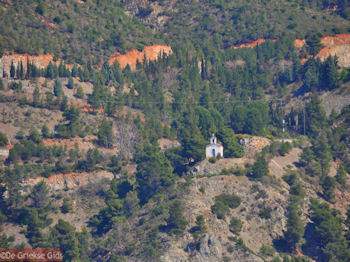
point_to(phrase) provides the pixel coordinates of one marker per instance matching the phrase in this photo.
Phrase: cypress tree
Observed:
(12, 70)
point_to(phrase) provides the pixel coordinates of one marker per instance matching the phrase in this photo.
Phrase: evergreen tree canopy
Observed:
(154, 173)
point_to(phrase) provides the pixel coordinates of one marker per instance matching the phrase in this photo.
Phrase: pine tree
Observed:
(57, 88)
(231, 146)
(330, 74)
(105, 134)
(36, 97)
(70, 84)
(328, 185)
(176, 221)
(154, 172)
(314, 44)
(295, 227)
(80, 92)
(315, 116)
(260, 168)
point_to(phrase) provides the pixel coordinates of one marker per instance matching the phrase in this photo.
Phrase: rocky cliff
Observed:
(131, 57)
(70, 180)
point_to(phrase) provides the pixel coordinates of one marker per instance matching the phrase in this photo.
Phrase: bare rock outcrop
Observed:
(209, 249)
(253, 144)
(335, 100)
(217, 242)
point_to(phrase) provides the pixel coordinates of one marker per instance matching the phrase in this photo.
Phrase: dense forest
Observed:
(205, 86)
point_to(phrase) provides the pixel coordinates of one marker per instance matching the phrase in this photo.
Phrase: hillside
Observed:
(107, 108)
(86, 32)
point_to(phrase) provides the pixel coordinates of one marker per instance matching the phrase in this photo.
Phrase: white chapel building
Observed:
(214, 149)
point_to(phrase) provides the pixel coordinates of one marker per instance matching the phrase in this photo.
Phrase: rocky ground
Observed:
(256, 230)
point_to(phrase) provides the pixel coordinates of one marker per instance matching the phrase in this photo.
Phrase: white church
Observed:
(214, 149)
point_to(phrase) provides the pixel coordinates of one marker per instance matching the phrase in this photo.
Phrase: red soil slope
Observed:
(131, 57)
(40, 61)
(253, 43)
(299, 43)
(338, 45)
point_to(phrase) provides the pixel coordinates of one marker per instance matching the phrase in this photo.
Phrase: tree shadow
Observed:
(312, 246)
(280, 244)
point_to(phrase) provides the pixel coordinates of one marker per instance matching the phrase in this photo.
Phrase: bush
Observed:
(220, 209)
(223, 203)
(3, 139)
(235, 225)
(213, 160)
(232, 201)
(200, 227)
(239, 172)
(261, 194)
(265, 212)
(267, 251)
(16, 86)
(291, 178)
(285, 148)
(66, 206)
(230, 249)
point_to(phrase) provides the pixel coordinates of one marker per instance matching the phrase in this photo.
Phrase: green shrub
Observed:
(265, 212)
(3, 139)
(230, 249)
(213, 160)
(232, 201)
(220, 209)
(66, 206)
(200, 227)
(261, 194)
(223, 203)
(235, 225)
(267, 251)
(285, 148)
